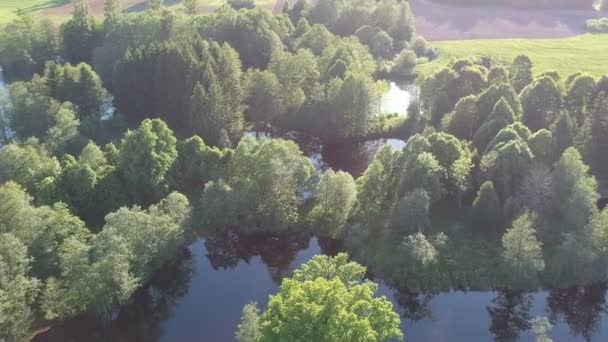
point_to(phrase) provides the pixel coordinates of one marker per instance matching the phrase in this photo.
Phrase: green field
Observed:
(10, 8)
(587, 53)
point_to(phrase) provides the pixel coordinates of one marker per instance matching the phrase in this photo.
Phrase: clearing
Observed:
(586, 53)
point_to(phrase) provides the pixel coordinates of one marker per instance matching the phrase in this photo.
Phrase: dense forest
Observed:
(123, 139)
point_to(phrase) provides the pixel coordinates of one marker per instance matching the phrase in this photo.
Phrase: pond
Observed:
(397, 99)
(200, 297)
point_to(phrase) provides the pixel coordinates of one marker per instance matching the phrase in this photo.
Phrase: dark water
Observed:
(200, 297)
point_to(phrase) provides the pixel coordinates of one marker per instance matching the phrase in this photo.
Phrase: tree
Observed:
(573, 192)
(487, 212)
(28, 43)
(521, 72)
(541, 101)
(192, 7)
(595, 133)
(412, 212)
(93, 156)
(112, 10)
(196, 164)
(80, 33)
(381, 45)
(29, 114)
(27, 164)
(64, 129)
(267, 180)
(541, 145)
(248, 329)
(155, 5)
(506, 165)
(404, 64)
(579, 96)
(264, 106)
(462, 121)
(17, 291)
(328, 309)
(426, 173)
(522, 252)
(335, 197)
(146, 155)
(502, 115)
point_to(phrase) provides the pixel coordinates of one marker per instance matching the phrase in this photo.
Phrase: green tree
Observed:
(573, 192)
(80, 33)
(155, 5)
(27, 164)
(487, 211)
(192, 7)
(264, 105)
(521, 72)
(335, 197)
(64, 129)
(93, 156)
(595, 133)
(17, 291)
(506, 165)
(28, 43)
(332, 311)
(541, 145)
(522, 252)
(112, 10)
(462, 121)
(196, 164)
(146, 155)
(412, 212)
(541, 101)
(248, 329)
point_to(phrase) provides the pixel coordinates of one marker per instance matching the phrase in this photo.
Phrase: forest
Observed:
(122, 140)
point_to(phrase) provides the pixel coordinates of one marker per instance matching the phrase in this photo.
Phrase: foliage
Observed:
(27, 44)
(335, 197)
(326, 308)
(248, 329)
(522, 252)
(146, 155)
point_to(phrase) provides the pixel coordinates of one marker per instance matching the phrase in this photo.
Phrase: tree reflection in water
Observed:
(581, 308)
(278, 251)
(141, 319)
(414, 306)
(510, 314)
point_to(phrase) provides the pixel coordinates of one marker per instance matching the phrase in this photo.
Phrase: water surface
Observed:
(200, 298)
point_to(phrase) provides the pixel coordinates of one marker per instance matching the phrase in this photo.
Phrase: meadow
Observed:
(60, 10)
(585, 53)
(10, 8)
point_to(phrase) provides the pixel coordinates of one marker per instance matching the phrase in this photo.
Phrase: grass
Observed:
(10, 8)
(586, 53)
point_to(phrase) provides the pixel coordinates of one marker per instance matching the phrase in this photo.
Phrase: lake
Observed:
(200, 297)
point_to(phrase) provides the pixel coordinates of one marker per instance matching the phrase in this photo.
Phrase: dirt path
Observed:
(439, 22)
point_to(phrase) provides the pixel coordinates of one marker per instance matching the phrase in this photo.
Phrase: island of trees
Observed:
(124, 139)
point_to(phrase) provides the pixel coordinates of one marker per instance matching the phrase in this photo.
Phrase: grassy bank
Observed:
(587, 53)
